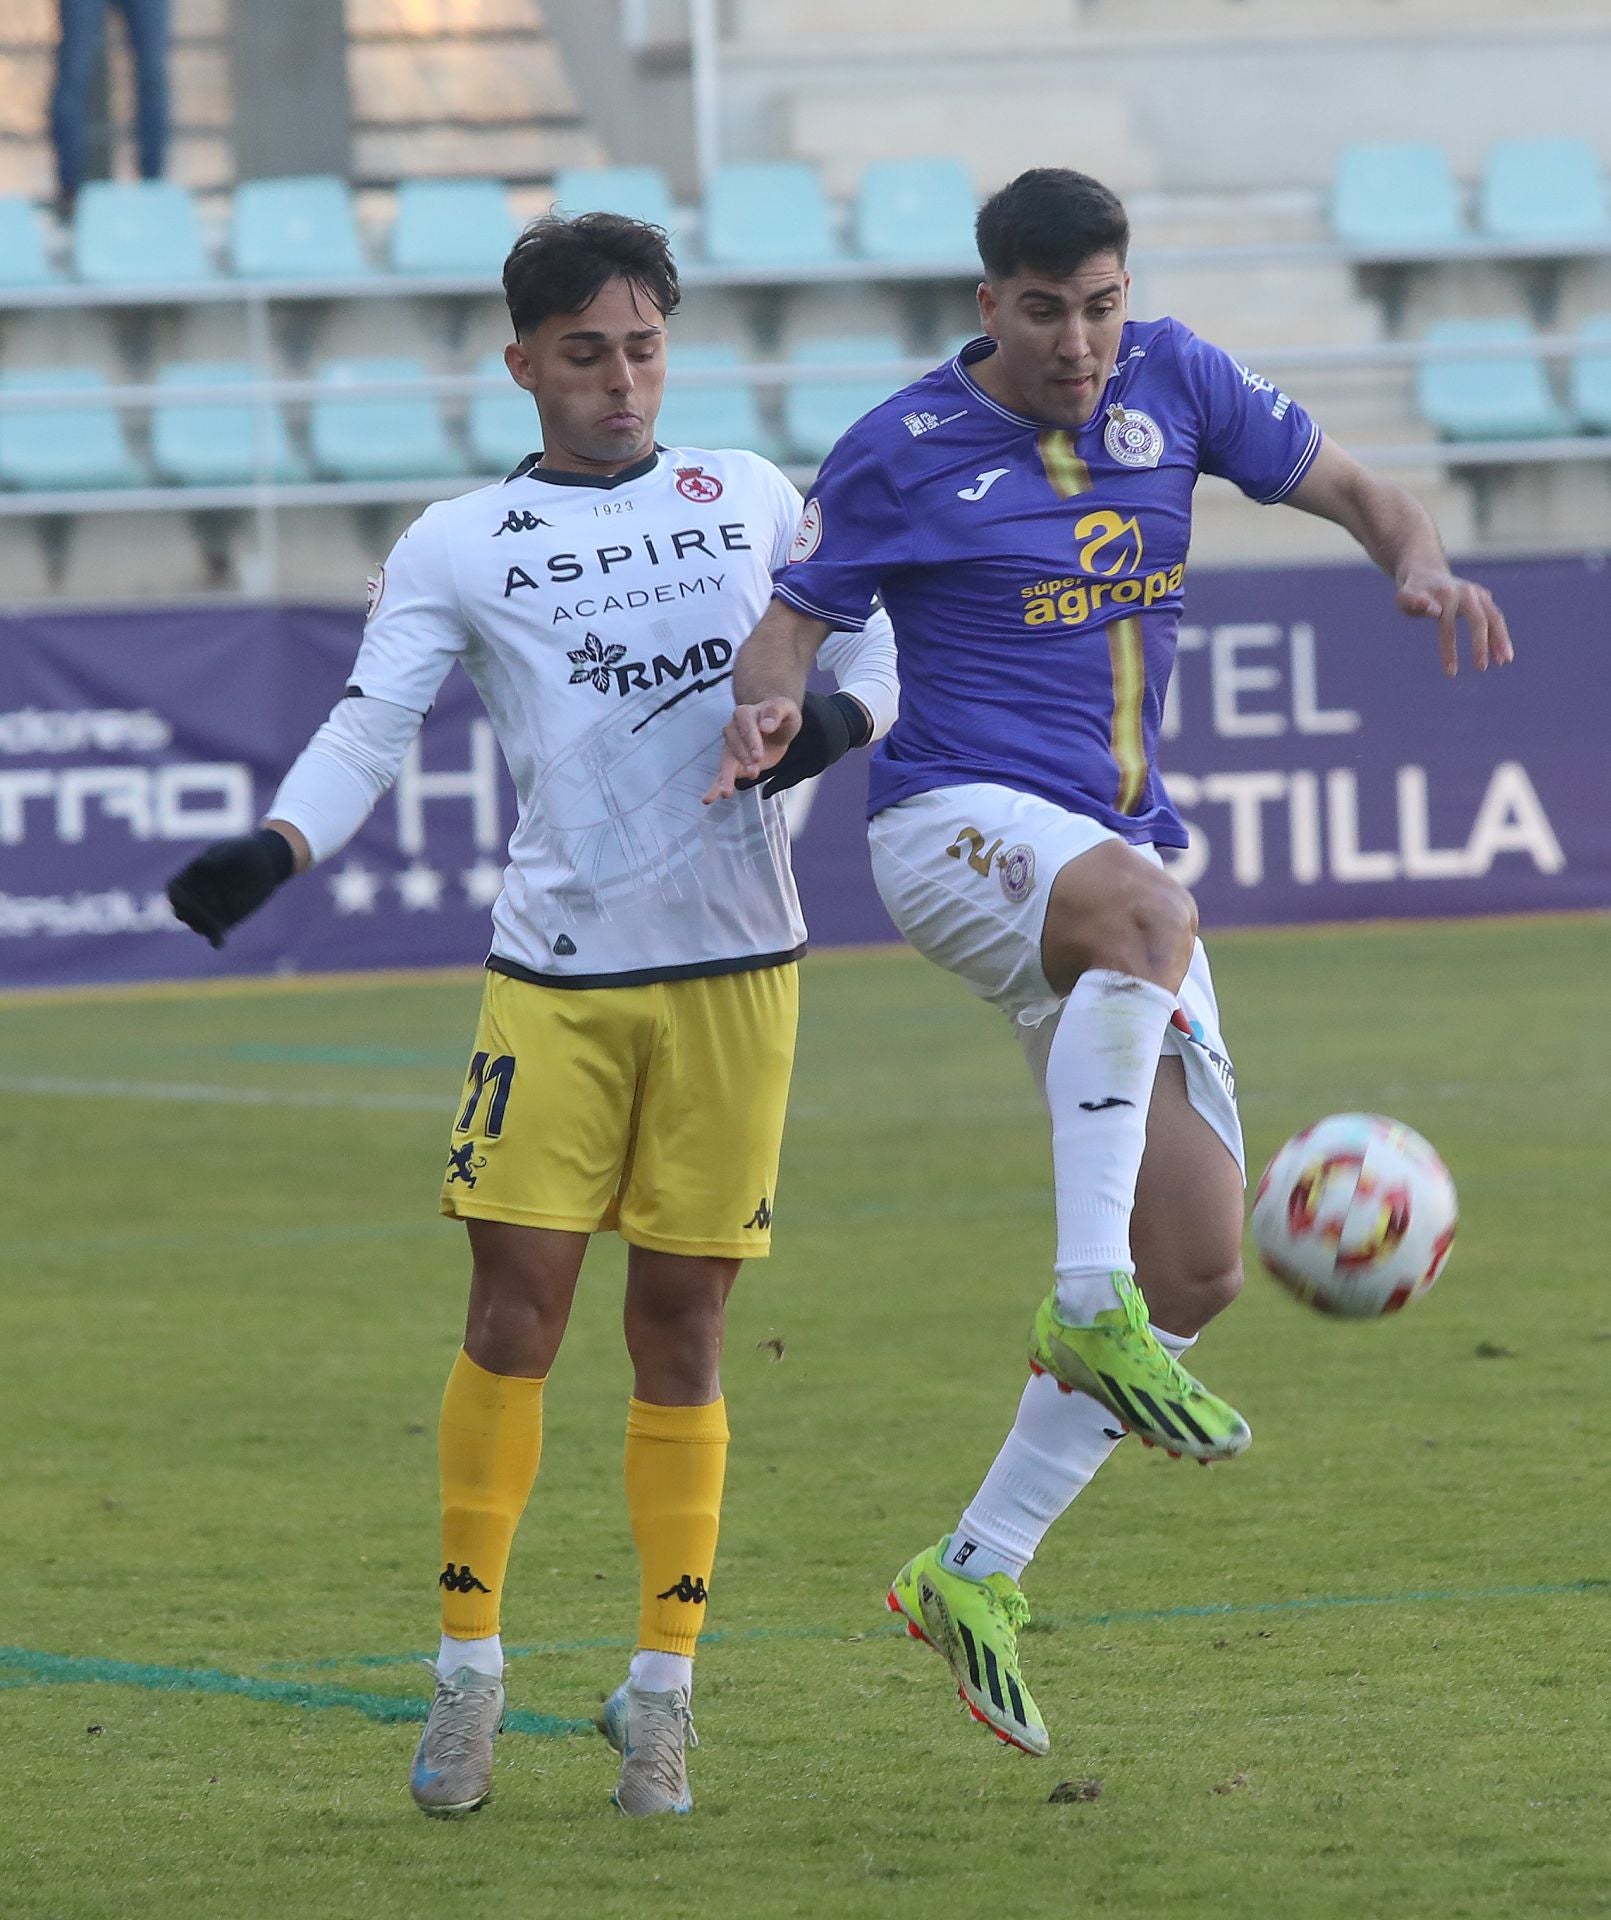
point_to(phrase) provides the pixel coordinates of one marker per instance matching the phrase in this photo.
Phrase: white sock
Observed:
(661, 1672)
(1175, 1343)
(486, 1656)
(1056, 1445)
(1100, 1070)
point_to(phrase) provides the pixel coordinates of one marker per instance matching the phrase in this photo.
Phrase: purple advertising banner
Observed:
(1326, 767)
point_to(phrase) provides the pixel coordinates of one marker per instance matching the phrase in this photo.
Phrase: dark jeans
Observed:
(83, 25)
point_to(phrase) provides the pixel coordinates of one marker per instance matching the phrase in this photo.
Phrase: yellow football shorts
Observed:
(654, 1110)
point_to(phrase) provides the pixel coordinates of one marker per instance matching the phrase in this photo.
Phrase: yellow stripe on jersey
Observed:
(1067, 472)
(1125, 650)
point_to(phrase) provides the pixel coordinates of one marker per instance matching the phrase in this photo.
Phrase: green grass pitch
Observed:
(1364, 1672)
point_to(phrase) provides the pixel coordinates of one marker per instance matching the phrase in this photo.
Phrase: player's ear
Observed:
(987, 307)
(521, 370)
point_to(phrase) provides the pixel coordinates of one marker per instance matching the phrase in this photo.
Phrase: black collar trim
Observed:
(528, 470)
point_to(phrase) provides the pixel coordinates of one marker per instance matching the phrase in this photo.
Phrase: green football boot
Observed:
(974, 1625)
(1118, 1361)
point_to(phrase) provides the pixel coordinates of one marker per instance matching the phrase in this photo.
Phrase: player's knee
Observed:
(1150, 931)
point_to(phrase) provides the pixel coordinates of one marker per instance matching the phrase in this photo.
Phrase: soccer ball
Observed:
(1355, 1215)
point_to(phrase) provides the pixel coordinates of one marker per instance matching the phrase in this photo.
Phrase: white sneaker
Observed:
(651, 1732)
(452, 1770)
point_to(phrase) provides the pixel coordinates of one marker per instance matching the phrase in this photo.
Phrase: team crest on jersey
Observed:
(808, 536)
(1133, 439)
(374, 587)
(1017, 870)
(693, 483)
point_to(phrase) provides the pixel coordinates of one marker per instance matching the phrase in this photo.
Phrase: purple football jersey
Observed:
(1035, 576)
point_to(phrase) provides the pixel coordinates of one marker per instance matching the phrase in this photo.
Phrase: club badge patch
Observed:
(1133, 439)
(1017, 870)
(374, 587)
(808, 537)
(693, 483)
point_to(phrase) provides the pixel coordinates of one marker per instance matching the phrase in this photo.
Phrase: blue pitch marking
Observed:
(1124, 1616)
(29, 1668)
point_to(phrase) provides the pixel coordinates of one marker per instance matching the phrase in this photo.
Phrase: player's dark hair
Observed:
(1050, 220)
(559, 265)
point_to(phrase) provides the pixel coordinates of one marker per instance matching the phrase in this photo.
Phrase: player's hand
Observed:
(757, 737)
(229, 880)
(1433, 593)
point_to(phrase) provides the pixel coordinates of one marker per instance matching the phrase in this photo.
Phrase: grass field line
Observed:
(221, 1095)
(1047, 1622)
(24, 1666)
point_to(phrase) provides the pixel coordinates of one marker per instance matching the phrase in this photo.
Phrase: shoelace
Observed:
(452, 1740)
(665, 1740)
(1139, 1327)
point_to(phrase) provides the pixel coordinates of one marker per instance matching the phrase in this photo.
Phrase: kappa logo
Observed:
(520, 520)
(460, 1579)
(983, 484)
(761, 1217)
(690, 1589)
(693, 483)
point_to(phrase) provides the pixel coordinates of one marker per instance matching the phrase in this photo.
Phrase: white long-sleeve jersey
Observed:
(598, 621)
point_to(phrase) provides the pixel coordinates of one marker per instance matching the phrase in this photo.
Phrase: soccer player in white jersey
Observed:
(632, 1061)
(1024, 513)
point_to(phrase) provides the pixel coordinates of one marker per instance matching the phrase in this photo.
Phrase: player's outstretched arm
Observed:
(769, 690)
(1399, 535)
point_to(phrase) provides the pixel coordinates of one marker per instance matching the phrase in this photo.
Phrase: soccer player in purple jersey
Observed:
(1024, 512)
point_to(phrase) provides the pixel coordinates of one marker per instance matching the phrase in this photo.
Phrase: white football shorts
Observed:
(965, 872)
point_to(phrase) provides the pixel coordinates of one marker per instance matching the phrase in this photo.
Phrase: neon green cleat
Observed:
(974, 1625)
(1118, 1361)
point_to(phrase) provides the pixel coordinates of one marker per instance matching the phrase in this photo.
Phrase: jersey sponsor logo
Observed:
(1256, 383)
(693, 483)
(374, 588)
(921, 422)
(808, 536)
(983, 484)
(1110, 546)
(520, 520)
(658, 549)
(1133, 439)
(605, 667)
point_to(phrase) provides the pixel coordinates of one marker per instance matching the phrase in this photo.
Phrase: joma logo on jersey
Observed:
(604, 666)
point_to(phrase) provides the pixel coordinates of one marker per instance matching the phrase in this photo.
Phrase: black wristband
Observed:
(230, 879)
(281, 854)
(857, 718)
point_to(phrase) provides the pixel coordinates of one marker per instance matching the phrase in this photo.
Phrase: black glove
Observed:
(229, 880)
(830, 725)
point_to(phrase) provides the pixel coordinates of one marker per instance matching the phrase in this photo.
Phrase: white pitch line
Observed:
(200, 1091)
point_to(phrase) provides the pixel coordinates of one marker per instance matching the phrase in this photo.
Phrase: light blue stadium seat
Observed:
(815, 414)
(721, 415)
(23, 262)
(916, 210)
(1395, 194)
(1487, 399)
(1543, 190)
(212, 443)
(302, 229)
(138, 231)
(1590, 377)
(460, 227)
(79, 444)
(502, 426)
(378, 436)
(639, 192)
(768, 214)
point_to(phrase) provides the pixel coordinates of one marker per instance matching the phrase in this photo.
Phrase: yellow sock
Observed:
(490, 1440)
(676, 1460)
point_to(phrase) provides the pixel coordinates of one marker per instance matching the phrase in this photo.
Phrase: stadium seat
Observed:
(212, 443)
(461, 227)
(377, 436)
(815, 414)
(768, 214)
(640, 192)
(23, 262)
(1390, 195)
(79, 444)
(129, 231)
(1590, 377)
(1543, 190)
(502, 425)
(721, 415)
(300, 229)
(916, 210)
(1486, 399)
